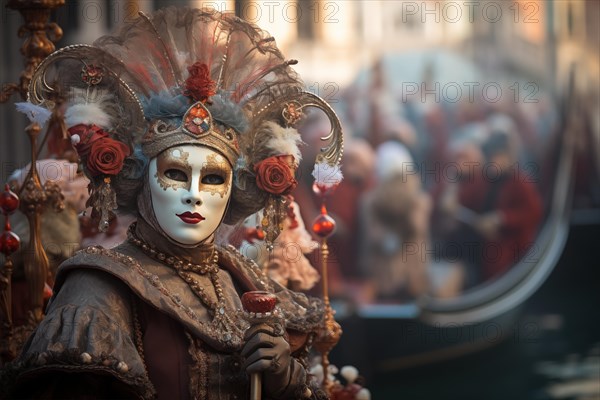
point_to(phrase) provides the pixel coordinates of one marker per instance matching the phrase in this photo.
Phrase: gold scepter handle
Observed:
(259, 308)
(256, 386)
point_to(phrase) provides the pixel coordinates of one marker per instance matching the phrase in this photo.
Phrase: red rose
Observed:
(275, 174)
(88, 134)
(198, 85)
(106, 157)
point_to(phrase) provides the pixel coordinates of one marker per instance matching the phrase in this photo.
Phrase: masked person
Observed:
(185, 119)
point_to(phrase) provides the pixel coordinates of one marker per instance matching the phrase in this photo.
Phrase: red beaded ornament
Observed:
(9, 201)
(323, 226)
(9, 241)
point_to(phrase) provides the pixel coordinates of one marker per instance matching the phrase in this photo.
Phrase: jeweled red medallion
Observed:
(197, 119)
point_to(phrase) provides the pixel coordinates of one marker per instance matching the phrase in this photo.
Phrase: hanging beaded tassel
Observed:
(9, 243)
(274, 214)
(103, 200)
(9, 202)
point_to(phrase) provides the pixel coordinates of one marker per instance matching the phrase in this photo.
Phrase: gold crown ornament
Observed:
(186, 76)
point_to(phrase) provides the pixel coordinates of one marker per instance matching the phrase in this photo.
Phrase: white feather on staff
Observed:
(327, 175)
(35, 113)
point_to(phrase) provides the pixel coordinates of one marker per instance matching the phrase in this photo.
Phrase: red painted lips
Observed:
(191, 218)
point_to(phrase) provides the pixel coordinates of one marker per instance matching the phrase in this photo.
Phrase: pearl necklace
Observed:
(184, 268)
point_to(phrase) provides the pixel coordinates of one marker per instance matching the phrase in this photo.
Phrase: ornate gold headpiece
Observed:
(240, 98)
(198, 127)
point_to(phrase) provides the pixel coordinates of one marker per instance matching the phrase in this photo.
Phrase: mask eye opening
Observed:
(176, 175)
(213, 179)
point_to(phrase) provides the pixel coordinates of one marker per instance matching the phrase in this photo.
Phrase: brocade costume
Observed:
(123, 324)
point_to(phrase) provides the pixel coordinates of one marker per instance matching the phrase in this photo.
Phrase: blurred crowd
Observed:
(438, 196)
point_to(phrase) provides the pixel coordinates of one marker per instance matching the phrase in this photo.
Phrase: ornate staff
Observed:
(34, 199)
(37, 46)
(327, 178)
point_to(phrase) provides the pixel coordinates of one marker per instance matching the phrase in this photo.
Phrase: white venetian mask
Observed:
(190, 188)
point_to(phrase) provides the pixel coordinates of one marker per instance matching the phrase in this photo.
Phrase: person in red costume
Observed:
(489, 218)
(509, 208)
(456, 201)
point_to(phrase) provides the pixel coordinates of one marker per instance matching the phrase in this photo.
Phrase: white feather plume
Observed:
(284, 140)
(35, 113)
(86, 114)
(89, 108)
(327, 175)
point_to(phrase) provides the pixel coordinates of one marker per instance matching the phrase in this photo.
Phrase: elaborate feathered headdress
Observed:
(184, 76)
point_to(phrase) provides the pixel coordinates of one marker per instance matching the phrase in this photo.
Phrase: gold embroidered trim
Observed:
(166, 160)
(137, 330)
(221, 168)
(199, 369)
(225, 328)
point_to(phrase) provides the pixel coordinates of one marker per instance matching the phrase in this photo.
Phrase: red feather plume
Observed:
(198, 85)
